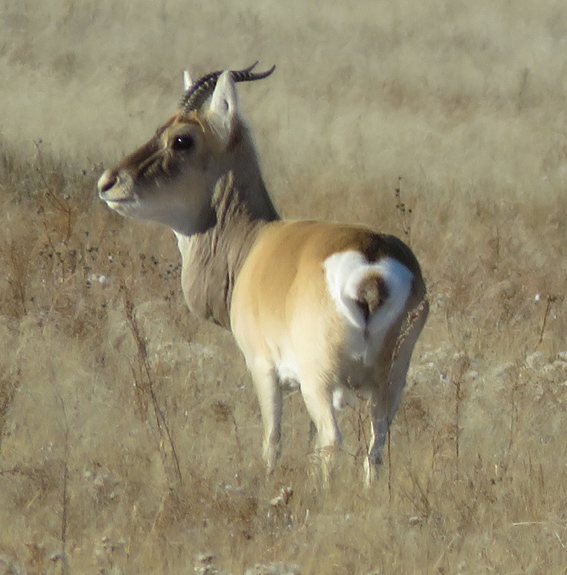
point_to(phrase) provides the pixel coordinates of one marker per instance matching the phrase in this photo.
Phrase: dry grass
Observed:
(129, 432)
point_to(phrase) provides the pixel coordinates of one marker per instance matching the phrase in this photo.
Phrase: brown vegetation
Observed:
(129, 432)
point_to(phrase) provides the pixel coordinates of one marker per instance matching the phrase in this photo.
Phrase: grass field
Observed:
(129, 431)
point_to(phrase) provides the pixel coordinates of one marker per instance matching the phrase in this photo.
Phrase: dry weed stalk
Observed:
(419, 498)
(495, 244)
(462, 363)
(18, 279)
(8, 387)
(358, 418)
(410, 319)
(145, 389)
(549, 300)
(59, 228)
(61, 203)
(403, 210)
(64, 490)
(514, 409)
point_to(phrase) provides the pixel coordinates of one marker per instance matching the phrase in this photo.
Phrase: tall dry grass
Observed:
(129, 432)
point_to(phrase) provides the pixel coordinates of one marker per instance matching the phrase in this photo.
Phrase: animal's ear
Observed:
(187, 80)
(222, 113)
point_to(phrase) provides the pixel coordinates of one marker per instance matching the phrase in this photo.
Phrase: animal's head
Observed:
(171, 178)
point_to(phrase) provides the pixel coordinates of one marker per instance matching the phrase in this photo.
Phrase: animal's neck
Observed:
(212, 259)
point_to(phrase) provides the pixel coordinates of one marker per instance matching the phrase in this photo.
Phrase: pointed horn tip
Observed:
(247, 75)
(250, 68)
(266, 73)
(198, 92)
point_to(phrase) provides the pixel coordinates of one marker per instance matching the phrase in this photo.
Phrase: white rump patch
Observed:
(345, 271)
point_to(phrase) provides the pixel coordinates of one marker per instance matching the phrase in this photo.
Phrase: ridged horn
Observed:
(197, 95)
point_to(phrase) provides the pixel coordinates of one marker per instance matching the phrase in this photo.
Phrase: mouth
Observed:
(117, 195)
(117, 204)
(105, 197)
(127, 207)
(120, 205)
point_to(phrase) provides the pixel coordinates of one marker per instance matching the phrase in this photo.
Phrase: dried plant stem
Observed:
(411, 318)
(147, 386)
(513, 411)
(65, 507)
(390, 494)
(458, 398)
(19, 279)
(462, 364)
(549, 300)
(61, 204)
(403, 210)
(64, 490)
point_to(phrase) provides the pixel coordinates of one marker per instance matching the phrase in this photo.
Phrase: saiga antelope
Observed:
(334, 308)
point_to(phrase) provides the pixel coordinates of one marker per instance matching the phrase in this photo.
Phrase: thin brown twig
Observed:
(64, 488)
(161, 421)
(411, 318)
(403, 210)
(60, 204)
(549, 300)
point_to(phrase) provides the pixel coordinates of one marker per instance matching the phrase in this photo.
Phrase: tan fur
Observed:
(281, 309)
(277, 284)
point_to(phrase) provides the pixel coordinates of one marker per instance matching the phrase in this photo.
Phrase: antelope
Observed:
(334, 309)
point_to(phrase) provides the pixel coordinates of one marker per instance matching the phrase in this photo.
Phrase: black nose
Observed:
(107, 181)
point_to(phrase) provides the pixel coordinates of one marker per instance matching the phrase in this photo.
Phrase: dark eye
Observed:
(183, 143)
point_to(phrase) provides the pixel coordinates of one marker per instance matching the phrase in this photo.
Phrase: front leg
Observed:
(269, 392)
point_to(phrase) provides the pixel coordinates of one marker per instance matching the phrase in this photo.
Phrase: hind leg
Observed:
(387, 396)
(379, 432)
(319, 404)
